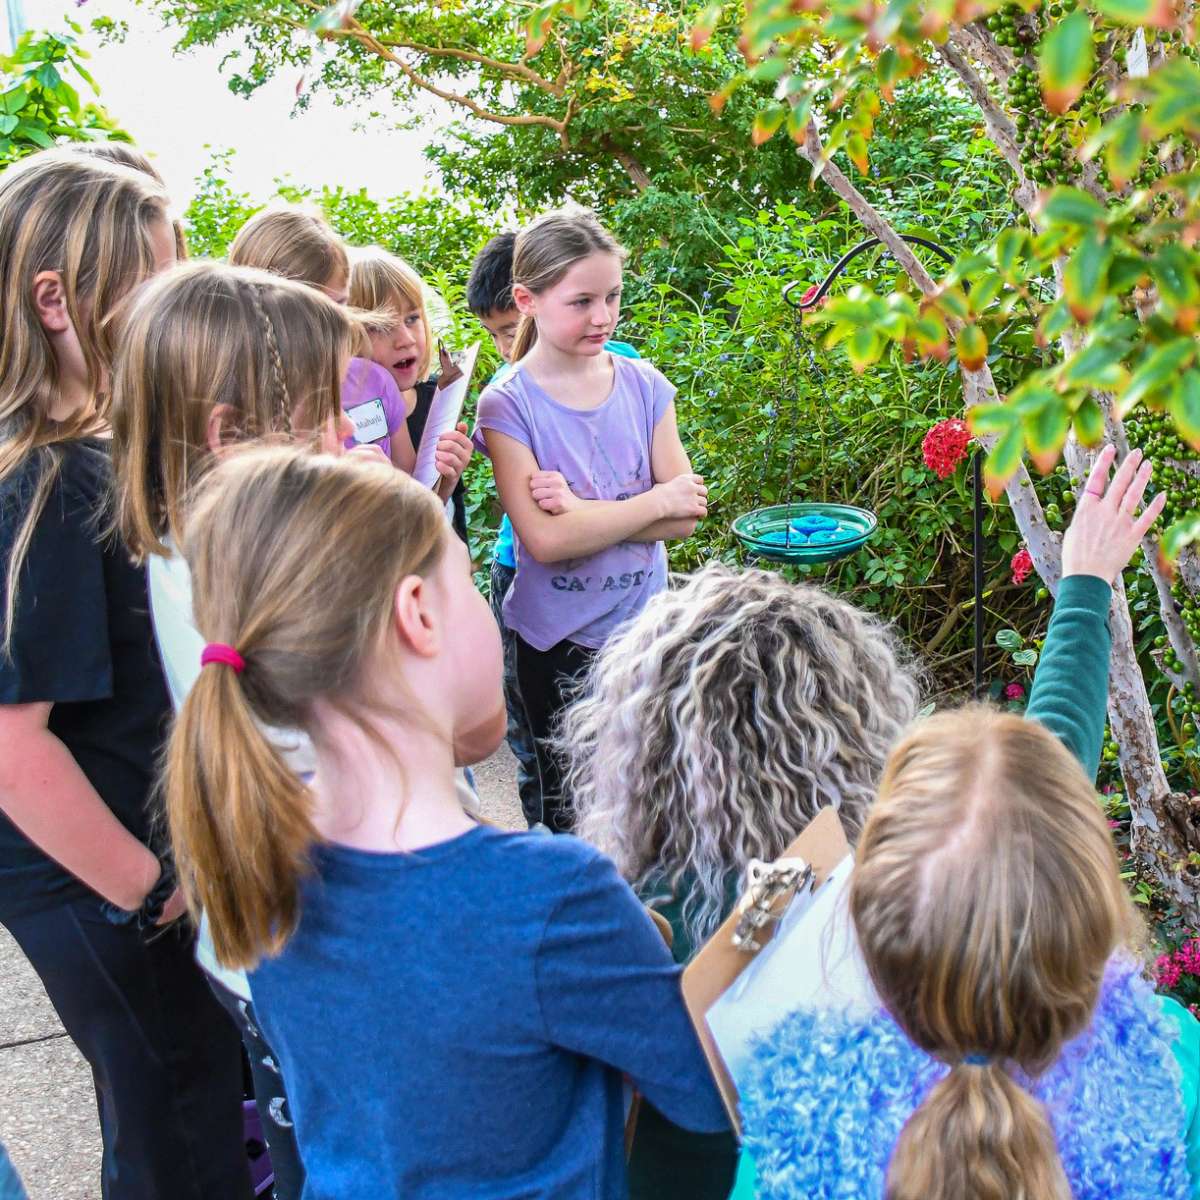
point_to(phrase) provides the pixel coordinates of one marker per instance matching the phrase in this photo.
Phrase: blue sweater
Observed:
(455, 1021)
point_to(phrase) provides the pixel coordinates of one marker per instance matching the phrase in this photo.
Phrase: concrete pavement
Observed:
(47, 1105)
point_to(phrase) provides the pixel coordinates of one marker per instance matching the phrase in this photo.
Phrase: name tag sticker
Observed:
(370, 421)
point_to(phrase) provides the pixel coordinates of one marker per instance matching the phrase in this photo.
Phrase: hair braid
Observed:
(285, 404)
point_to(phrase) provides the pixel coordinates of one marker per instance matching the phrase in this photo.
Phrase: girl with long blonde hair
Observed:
(1017, 1052)
(212, 357)
(590, 470)
(87, 888)
(453, 1006)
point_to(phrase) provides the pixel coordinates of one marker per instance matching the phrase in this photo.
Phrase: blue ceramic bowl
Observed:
(791, 532)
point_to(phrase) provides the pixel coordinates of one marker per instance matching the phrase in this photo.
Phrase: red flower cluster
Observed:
(1022, 564)
(1169, 969)
(1014, 691)
(945, 446)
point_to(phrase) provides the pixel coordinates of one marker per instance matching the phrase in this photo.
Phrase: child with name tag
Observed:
(454, 1006)
(403, 348)
(589, 467)
(213, 356)
(1016, 1048)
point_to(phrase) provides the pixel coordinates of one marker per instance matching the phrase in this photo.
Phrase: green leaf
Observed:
(47, 75)
(8, 123)
(986, 419)
(1012, 246)
(1089, 422)
(1084, 277)
(1073, 207)
(1046, 431)
(1010, 640)
(1156, 13)
(1180, 535)
(1097, 366)
(856, 151)
(1157, 369)
(33, 133)
(863, 349)
(767, 123)
(1065, 60)
(971, 346)
(14, 100)
(1175, 272)
(1124, 153)
(1025, 658)
(1184, 406)
(1002, 463)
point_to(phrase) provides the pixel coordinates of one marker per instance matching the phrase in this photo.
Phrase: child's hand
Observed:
(686, 498)
(453, 452)
(1104, 532)
(553, 495)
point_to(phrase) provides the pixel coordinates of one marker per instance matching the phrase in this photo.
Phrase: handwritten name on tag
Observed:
(370, 421)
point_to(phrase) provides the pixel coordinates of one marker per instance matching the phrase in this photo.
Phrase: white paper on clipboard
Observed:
(444, 411)
(813, 961)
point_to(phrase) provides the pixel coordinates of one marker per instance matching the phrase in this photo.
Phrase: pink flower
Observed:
(1014, 691)
(1166, 972)
(1022, 564)
(945, 446)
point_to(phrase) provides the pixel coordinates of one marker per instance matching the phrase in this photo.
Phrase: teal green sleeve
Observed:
(1070, 687)
(1187, 1053)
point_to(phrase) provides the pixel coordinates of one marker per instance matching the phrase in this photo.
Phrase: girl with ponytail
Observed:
(87, 886)
(590, 470)
(1017, 1053)
(214, 356)
(453, 1006)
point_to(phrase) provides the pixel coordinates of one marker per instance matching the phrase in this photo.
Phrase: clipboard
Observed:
(803, 869)
(444, 409)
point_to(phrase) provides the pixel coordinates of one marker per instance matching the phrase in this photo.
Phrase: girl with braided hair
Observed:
(213, 356)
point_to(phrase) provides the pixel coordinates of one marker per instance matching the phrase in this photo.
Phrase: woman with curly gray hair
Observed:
(710, 731)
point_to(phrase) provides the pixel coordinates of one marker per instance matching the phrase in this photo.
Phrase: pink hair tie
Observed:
(218, 652)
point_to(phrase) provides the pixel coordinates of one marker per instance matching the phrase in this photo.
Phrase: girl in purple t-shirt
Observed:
(589, 467)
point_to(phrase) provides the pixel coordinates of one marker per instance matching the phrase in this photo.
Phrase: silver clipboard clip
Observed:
(766, 884)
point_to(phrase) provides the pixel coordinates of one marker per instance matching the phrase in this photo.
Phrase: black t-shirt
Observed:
(82, 639)
(416, 427)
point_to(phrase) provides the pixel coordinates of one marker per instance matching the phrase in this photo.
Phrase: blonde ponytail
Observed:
(234, 804)
(524, 338)
(978, 1136)
(295, 560)
(987, 901)
(546, 249)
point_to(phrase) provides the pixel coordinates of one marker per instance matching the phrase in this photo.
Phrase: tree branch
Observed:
(509, 69)
(355, 31)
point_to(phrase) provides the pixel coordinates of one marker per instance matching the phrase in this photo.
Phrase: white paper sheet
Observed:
(813, 961)
(444, 412)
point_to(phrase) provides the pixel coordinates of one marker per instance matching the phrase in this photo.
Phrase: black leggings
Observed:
(166, 1060)
(543, 676)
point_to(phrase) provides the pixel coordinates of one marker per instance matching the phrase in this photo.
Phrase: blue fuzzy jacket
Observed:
(824, 1102)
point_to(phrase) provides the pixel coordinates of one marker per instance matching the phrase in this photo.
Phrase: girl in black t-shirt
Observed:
(86, 887)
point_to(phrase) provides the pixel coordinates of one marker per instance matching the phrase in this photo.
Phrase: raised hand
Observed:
(1105, 530)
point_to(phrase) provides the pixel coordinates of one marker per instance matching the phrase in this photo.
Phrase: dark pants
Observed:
(520, 740)
(269, 1096)
(165, 1058)
(670, 1163)
(546, 677)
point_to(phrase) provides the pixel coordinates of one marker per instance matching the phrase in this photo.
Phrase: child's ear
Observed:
(412, 618)
(223, 429)
(50, 302)
(524, 299)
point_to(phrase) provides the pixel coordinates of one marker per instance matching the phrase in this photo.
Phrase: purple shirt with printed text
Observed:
(371, 399)
(604, 454)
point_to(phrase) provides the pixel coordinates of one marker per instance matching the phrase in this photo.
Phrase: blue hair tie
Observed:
(977, 1060)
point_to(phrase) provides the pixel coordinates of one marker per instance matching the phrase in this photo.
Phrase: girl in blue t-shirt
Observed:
(453, 1006)
(589, 467)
